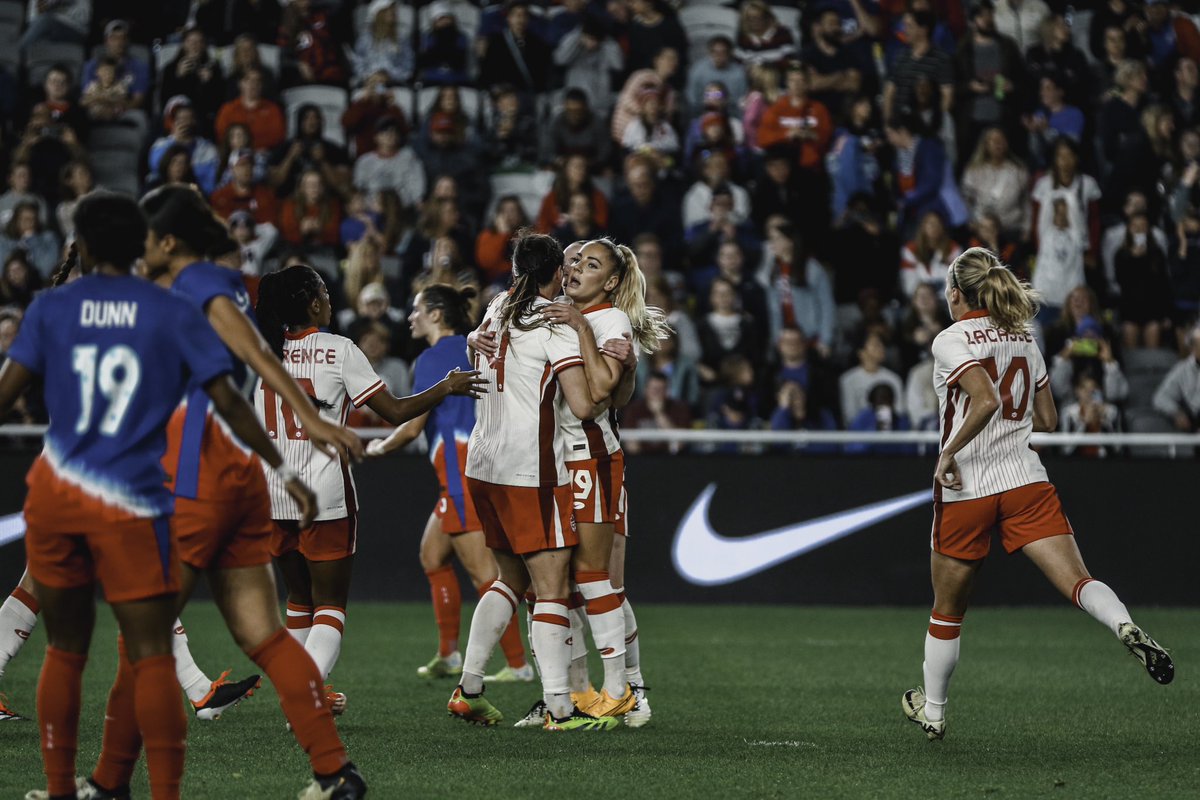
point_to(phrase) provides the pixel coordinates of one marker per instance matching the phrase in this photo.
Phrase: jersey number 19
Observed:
(116, 374)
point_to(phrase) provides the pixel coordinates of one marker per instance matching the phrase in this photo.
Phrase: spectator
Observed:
(1120, 129)
(309, 149)
(442, 59)
(1056, 56)
(920, 59)
(307, 35)
(381, 48)
(1184, 97)
(371, 306)
(131, 71)
(799, 292)
(991, 77)
(1063, 179)
(312, 215)
(25, 231)
(1081, 304)
(237, 137)
(20, 183)
(263, 117)
(653, 26)
(182, 132)
(920, 398)
(645, 207)
(1185, 272)
(778, 191)
(725, 331)
(1178, 396)
(1020, 20)
(704, 239)
(835, 70)
(581, 222)
(656, 410)
(1090, 413)
(1104, 71)
(659, 294)
(450, 152)
(375, 341)
(1114, 15)
(175, 167)
(572, 177)
(852, 160)
(790, 363)
(760, 37)
(257, 19)
(680, 371)
(391, 165)
(752, 297)
(925, 318)
(438, 243)
(880, 414)
(516, 56)
(371, 104)
(245, 57)
(987, 233)
(1169, 35)
(856, 384)
(658, 78)
(1145, 305)
(105, 99)
(493, 247)
(1115, 235)
(195, 74)
(57, 21)
(921, 174)
(577, 130)
(254, 241)
(46, 145)
(243, 193)
(734, 404)
(366, 216)
(865, 254)
(511, 143)
(650, 134)
(59, 101)
(927, 257)
(19, 281)
(996, 182)
(713, 128)
(590, 59)
(1053, 119)
(717, 67)
(797, 121)
(76, 180)
(765, 91)
(1061, 247)
(1087, 352)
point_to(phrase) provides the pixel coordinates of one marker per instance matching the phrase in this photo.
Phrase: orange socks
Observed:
(162, 723)
(447, 607)
(60, 689)
(122, 739)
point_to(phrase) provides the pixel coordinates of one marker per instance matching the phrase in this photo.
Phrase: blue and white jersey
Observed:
(448, 428)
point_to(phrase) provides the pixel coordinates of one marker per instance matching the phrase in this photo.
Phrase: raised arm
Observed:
(983, 405)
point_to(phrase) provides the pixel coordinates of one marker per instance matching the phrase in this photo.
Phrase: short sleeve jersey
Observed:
(517, 440)
(116, 354)
(596, 438)
(333, 371)
(999, 458)
(448, 427)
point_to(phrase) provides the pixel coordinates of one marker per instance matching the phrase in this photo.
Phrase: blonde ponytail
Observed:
(649, 323)
(987, 283)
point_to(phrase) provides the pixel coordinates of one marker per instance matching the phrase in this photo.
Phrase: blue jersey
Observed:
(449, 426)
(116, 354)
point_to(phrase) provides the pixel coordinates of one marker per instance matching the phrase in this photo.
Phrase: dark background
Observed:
(1136, 523)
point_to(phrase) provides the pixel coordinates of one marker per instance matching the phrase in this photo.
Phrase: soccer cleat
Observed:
(223, 695)
(336, 701)
(1153, 656)
(87, 789)
(639, 715)
(476, 710)
(522, 674)
(913, 704)
(439, 667)
(345, 784)
(606, 705)
(587, 698)
(535, 718)
(580, 721)
(6, 713)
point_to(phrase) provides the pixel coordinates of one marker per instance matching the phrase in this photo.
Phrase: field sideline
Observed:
(753, 701)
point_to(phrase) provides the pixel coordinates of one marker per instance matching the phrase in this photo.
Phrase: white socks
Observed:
(941, 657)
(551, 629)
(193, 680)
(607, 621)
(1101, 602)
(18, 618)
(578, 673)
(324, 642)
(299, 621)
(633, 655)
(488, 624)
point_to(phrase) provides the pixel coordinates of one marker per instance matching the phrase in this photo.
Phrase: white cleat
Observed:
(535, 718)
(1154, 657)
(913, 704)
(639, 715)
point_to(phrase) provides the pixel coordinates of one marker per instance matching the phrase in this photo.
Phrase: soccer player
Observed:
(518, 480)
(441, 316)
(116, 354)
(316, 560)
(993, 391)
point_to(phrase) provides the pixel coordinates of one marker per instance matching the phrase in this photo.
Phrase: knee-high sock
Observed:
(530, 603)
(193, 680)
(577, 674)
(633, 648)
(60, 691)
(18, 618)
(325, 641)
(551, 629)
(607, 622)
(122, 739)
(447, 607)
(510, 640)
(941, 656)
(491, 617)
(162, 723)
(302, 698)
(299, 621)
(1101, 602)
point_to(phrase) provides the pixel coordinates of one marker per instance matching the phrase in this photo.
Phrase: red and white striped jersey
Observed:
(517, 439)
(332, 370)
(596, 438)
(999, 458)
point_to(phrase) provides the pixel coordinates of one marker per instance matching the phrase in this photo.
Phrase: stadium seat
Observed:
(116, 169)
(701, 23)
(138, 51)
(115, 137)
(332, 102)
(529, 188)
(41, 56)
(1147, 420)
(267, 53)
(406, 100)
(788, 17)
(472, 101)
(10, 31)
(466, 14)
(325, 264)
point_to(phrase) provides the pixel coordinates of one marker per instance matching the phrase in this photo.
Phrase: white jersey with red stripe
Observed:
(335, 372)
(596, 438)
(517, 439)
(999, 458)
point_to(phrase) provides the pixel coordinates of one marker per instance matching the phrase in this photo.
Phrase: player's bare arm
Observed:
(985, 401)
(399, 438)
(398, 410)
(603, 372)
(481, 341)
(574, 384)
(1045, 415)
(622, 350)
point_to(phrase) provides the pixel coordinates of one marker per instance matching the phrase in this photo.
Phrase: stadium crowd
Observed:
(794, 178)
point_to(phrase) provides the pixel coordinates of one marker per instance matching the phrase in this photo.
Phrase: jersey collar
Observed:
(976, 314)
(299, 335)
(597, 307)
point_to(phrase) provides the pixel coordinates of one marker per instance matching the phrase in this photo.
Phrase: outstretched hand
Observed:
(467, 384)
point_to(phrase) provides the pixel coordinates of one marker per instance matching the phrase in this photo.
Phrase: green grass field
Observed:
(753, 701)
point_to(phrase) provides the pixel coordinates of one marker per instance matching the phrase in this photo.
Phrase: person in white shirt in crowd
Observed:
(1178, 396)
(856, 384)
(1087, 352)
(995, 181)
(1061, 245)
(590, 57)
(381, 46)
(1089, 413)
(391, 165)
(1021, 21)
(697, 203)
(254, 241)
(927, 257)
(718, 67)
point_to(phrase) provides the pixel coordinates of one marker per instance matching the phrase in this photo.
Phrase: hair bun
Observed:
(468, 293)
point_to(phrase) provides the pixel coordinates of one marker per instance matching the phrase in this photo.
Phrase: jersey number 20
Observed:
(116, 374)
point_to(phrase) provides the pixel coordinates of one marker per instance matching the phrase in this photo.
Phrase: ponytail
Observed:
(987, 283)
(283, 300)
(455, 305)
(180, 211)
(649, 322)
(536, 258)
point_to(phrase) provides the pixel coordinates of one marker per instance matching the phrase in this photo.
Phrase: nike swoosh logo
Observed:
(706, 558)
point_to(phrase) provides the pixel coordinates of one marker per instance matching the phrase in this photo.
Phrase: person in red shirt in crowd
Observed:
(312, 216)
(307, 34)
(372, 103)
(798, 120)
(265, 119)
(243, 193)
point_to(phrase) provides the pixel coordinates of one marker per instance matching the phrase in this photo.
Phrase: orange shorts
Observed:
(324, 540)
(226, 533)
(599, 489)
(964, 529)
(74, 540)
(453, 522)
(524, 519)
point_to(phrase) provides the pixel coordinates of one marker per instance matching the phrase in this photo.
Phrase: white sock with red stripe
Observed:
(299, 621)
(633, 650)
(607, 621)
(578, 673)
(324, 642)
(551, 629)
(488, 624)
(941, 657)
(196, 685)
(1101, 602)
(18, 618)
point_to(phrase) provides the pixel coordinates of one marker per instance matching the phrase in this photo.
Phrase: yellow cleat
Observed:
(584, 699)
(607, 706)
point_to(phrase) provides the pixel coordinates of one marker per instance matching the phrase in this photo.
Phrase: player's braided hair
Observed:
(986, 283)
(182, 212)
(455, 305)
(536, 259)
(112, 228)
(284, 298)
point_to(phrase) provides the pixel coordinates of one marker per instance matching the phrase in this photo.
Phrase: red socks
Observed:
(447, 607)
(60, 689)
(122, 739)
(162, 723)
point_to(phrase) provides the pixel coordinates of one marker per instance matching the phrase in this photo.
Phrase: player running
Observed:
(518, 481)
(316, 560)
(441, 316)
(993, 391)
(116, 354)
